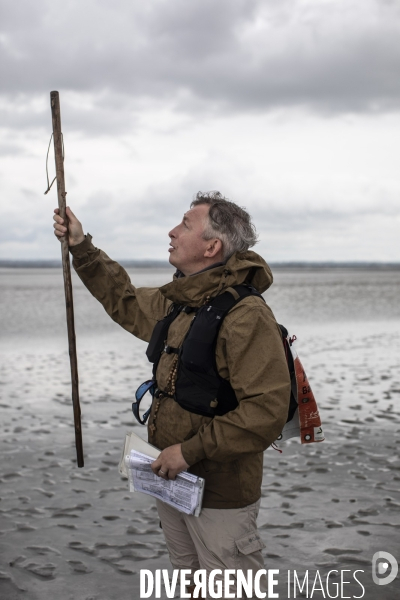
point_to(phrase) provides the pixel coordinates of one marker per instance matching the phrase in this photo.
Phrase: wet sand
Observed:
(79, 534)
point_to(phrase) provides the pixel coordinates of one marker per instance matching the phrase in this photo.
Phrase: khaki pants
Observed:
(217, 539)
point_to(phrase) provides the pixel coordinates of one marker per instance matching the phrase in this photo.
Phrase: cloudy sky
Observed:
(290, 108)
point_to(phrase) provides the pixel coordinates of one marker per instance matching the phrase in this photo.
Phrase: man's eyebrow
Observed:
(185, 218)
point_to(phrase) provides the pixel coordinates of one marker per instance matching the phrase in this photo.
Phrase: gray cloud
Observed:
(114, 58)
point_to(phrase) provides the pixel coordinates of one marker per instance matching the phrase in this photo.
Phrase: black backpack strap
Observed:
(232, 295)
(159, 335)
(233, 292)
(290, 364)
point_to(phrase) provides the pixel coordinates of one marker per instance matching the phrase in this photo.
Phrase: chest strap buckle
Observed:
(170, 350)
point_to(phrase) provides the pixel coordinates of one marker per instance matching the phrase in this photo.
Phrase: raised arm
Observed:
(136, 309)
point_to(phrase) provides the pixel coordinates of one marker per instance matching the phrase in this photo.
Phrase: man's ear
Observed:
(214, 247)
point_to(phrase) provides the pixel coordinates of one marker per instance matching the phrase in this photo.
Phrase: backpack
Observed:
(210, 394)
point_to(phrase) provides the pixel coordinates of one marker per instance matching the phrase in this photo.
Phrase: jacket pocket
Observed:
(249, 543)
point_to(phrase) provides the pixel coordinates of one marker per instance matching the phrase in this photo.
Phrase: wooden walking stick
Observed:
(61, 193)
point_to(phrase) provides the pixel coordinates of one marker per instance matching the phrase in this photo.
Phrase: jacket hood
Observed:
(197, 289)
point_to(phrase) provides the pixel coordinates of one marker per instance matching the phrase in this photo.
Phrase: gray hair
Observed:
(228, 222)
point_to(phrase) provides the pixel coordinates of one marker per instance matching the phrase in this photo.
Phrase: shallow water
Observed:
(32, 300)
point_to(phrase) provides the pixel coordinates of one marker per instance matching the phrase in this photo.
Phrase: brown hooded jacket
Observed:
(226, 450)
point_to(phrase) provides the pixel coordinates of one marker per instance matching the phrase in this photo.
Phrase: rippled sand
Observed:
(74, 533)
(78, 533)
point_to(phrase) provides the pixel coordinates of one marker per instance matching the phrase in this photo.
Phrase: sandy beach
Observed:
(79, 534)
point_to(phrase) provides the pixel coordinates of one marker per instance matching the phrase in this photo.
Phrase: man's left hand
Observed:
(170, 462)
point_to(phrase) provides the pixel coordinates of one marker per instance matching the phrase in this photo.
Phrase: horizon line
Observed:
(156, 263)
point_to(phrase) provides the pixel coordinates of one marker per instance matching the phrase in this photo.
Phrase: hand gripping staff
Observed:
(61, 193)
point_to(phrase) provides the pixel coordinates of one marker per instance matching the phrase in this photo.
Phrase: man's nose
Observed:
(172, 233)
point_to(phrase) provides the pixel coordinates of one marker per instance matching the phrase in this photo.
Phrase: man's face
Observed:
(187, 247)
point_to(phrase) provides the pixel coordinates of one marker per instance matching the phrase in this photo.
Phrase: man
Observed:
(210, 250)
